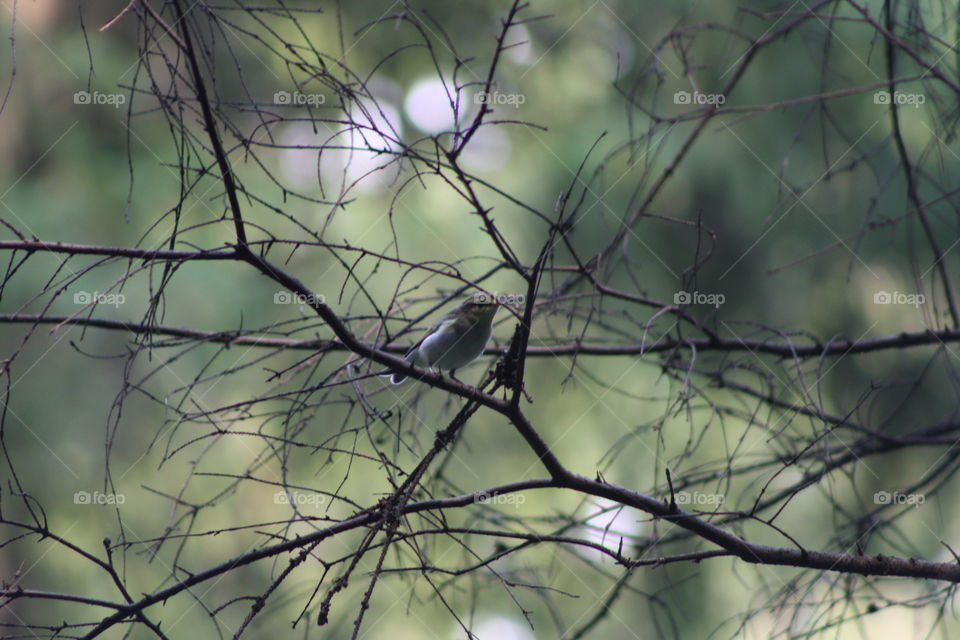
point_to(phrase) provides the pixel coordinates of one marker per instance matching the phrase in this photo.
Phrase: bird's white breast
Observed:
(443, 350)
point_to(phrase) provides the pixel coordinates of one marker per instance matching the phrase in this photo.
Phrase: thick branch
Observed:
(878, 565)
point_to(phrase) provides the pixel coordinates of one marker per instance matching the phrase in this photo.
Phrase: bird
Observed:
(456, 339)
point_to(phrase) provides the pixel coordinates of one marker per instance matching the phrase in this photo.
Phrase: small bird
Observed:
(456, 339)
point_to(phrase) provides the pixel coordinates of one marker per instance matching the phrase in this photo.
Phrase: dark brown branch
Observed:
(912, 195)
(223, 253)
(16, 593)
(210, 124)
(508, 22)
(779, 349)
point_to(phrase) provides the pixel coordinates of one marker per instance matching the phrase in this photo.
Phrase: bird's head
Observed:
(480, 306)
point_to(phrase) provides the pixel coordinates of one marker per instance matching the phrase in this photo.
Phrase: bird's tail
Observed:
(397, 378)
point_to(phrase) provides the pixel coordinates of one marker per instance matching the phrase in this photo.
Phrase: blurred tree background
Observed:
(750, 215)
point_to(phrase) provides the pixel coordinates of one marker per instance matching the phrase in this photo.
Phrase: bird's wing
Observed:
(432, 330)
